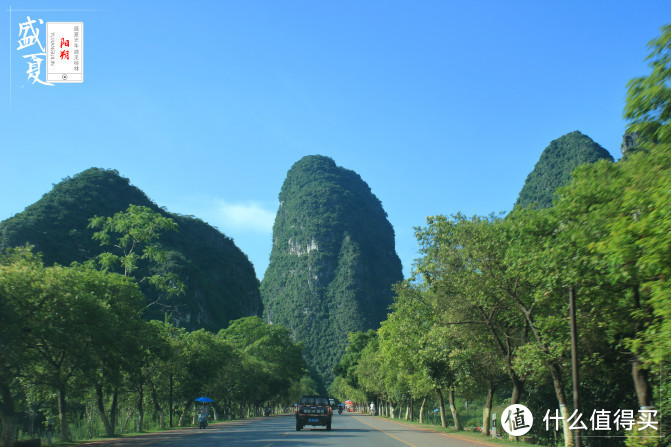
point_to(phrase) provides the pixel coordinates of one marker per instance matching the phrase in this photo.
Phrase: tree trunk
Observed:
(640, 376)
(157, 406)
(184, 415)
(487, 412)
(455, 413)
(62, 415)
(421, 411)
(124, 425)
(641, 383)
(558, 383)
(114, 410)
(407, 412)
(555, 371)
(515, 397)
(109, 431)
(441, 405)
(517, 389)
(8, 418)
(161, 416)
(412, 409)
(140, 409)
(170, 409)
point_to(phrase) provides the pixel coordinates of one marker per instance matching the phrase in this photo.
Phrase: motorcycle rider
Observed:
(202, 417)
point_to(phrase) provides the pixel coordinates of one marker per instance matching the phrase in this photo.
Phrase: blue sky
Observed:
(440, 106)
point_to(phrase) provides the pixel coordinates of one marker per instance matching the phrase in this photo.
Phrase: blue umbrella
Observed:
(204, 399)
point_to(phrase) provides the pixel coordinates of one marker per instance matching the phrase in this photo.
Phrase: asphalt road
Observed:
(278, 431)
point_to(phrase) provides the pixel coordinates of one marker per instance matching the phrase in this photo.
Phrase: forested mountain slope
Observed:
(333, 260)
(221, 284)
(555, 165)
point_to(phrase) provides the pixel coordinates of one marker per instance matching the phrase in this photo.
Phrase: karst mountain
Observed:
(333, 260)
(221, 284)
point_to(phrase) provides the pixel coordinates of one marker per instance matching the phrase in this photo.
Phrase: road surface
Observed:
(280, 431)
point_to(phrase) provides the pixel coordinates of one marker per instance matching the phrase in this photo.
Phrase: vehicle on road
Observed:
(202, 420)
(313, 410)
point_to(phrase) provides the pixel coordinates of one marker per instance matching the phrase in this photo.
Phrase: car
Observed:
(315, 411)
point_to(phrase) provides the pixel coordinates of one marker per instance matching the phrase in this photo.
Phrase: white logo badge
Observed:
(65, 52)
(517, 420)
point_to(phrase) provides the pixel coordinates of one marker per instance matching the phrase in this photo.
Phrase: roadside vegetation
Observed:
(487, 308)
(75, 351)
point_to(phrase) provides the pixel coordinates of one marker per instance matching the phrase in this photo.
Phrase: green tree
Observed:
(479, 368)
(133, 234)
(439, 344)
(65, 315)
(121, 343)
(369, 371)
(278, 361)
(401, 342)
(21, 273)
(346, 368)
(202, 356)
(648, 104)
(644, 219)
(346, 383)
(147, 354)
(464, 266)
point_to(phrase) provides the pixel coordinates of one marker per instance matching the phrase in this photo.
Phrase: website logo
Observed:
(517, 420)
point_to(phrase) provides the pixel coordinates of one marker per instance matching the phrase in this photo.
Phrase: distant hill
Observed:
(555, 165)
(333, 260)
(221, 282)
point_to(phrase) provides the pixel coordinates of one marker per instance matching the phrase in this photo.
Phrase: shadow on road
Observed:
(278, 431)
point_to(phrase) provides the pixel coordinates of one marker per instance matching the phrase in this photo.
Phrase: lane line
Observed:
(388, 434)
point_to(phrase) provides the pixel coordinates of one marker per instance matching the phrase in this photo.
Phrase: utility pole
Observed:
(574, 356)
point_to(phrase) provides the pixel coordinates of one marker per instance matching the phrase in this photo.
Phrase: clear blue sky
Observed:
(440, 106)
